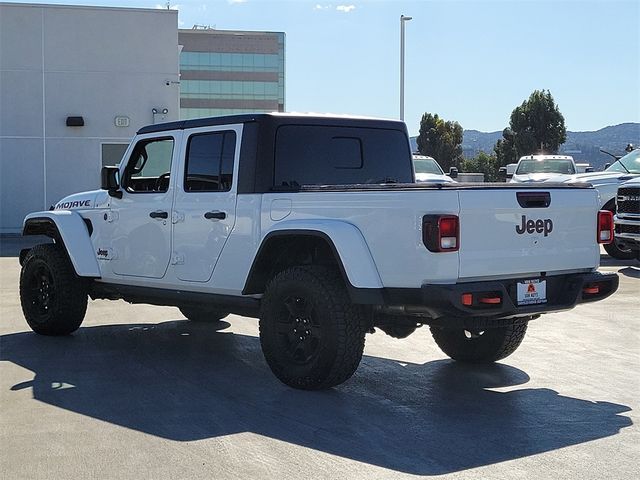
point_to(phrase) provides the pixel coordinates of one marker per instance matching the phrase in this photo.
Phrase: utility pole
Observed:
(403, 19)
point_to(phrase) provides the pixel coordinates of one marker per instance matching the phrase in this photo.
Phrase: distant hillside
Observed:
(583, 146)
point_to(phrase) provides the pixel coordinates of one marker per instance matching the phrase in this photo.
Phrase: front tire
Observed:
(312, 336)
(486, 346)
(53, 297)
(614, 251)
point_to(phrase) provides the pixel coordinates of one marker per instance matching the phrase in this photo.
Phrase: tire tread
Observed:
(499, 343)
(71, 293)
(349, 321)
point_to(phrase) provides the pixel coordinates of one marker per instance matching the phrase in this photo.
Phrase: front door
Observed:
(141, 219)
(205, 204)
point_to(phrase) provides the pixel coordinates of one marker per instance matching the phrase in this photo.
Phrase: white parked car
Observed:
(427, 169)
(538, 168)
(607, 183)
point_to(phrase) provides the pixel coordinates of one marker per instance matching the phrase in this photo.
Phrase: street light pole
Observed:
(403, 19)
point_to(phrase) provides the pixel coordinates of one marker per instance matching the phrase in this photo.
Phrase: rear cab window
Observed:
(326, 155)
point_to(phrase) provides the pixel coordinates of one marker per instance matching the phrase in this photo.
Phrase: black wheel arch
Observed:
(47, 227)
(42, 226)
(286, 248)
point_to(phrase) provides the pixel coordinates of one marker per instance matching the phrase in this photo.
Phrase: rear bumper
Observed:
(445, 301)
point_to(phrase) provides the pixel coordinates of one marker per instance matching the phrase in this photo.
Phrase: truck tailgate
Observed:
(511, 231)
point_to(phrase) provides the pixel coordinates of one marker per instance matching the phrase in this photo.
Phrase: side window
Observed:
(149, 167)
(209, 166)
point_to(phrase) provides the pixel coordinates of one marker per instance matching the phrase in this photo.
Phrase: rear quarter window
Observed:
(325, 155)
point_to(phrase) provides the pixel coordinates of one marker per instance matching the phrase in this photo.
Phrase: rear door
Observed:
(205, 203)
(526, 232)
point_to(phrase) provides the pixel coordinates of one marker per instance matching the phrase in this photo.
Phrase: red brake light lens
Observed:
(441, 233)
(605, 226)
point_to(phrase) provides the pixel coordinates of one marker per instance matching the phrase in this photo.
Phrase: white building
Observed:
(75, 85)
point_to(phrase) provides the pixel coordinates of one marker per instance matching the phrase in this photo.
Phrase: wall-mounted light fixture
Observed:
(75, 122)
(159, 114)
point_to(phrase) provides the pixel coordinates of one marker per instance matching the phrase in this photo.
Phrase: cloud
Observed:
(345, 8)
(321, 7)
(235, 2)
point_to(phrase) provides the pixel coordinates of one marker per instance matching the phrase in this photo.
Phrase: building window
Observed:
(112, 153)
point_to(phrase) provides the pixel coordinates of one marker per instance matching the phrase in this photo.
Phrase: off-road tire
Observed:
(53, 297)
(200, 314)
(614, 251)
(492, 345)
(336, 328)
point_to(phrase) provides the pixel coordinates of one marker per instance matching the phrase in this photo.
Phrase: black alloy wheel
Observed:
(300, 333)
(41, 291)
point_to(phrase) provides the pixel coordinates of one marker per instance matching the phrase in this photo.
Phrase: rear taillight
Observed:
(605, 226)
(441, 233)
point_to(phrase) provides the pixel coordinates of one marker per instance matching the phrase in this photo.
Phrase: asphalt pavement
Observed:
(141, 393)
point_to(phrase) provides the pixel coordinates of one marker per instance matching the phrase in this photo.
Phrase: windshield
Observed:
(549, 165)
(427, 165)
(628, 164)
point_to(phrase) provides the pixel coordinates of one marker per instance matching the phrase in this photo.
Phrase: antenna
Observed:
(168, 5)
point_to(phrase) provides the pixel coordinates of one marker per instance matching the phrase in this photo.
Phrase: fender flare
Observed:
(345, 239)
(70, 229)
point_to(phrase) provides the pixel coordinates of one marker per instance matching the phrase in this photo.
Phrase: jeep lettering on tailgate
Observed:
(530, 226)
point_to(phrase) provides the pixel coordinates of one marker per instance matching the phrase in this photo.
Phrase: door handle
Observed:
(215, 215)
(159, 214)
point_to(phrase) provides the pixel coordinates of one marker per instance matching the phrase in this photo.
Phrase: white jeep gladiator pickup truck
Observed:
(316, 226)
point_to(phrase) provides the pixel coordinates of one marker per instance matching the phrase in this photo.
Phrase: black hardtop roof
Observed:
(276, 119)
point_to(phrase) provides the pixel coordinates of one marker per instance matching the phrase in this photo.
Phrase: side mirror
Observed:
(453, 172)
(502, 173)
(607, 165)
(110, 181)
(588, 170)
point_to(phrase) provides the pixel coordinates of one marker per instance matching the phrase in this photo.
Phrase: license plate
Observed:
(532, 292)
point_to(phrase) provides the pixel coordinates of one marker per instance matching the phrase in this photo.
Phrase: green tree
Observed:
(483, 163)
(505, 148)
(441, 140)
(535, 126)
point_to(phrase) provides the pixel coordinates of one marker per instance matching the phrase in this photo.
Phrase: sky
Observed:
(468, 61)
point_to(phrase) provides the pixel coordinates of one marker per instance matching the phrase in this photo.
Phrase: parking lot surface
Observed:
(139, 392)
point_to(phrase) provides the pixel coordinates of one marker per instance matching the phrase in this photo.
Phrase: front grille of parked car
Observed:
(628, 200)
(628, 229)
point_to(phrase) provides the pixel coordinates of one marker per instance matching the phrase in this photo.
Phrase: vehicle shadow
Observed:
(184, 381)
(630, 272)
(607, 261)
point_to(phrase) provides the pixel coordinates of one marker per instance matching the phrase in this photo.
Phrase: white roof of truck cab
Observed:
(547, 157)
